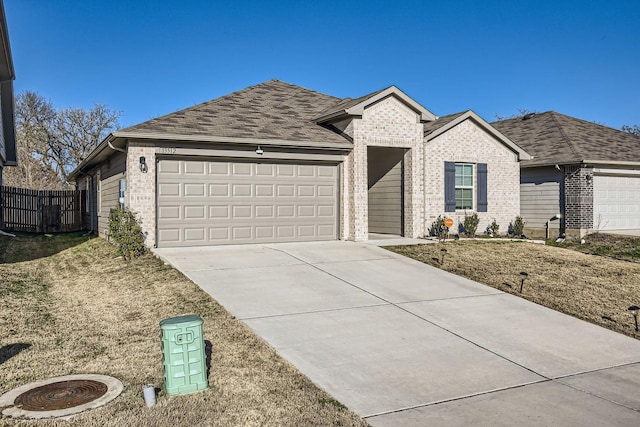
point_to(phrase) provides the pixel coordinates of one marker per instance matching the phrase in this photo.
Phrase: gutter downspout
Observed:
(116, 148)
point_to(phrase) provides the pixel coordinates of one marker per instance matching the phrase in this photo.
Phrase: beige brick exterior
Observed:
(387, 123)
(141, 187)
(469, 143)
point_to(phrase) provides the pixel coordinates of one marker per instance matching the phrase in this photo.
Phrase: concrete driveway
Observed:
(402, 343)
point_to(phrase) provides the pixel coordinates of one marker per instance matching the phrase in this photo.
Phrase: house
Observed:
(8, 155)
(587, 172)
(276, 162)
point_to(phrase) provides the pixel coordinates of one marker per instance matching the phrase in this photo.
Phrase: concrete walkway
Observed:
(405, 344)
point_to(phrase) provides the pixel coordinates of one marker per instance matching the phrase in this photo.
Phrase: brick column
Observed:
(578, 200)
(141, 187)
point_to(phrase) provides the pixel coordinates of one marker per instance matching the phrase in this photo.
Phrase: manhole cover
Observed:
(61, 395)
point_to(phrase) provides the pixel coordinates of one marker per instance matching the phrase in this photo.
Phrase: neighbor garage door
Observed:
(220, 202)
(616, 202)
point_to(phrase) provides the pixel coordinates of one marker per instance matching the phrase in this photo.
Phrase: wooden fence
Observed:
(41, 211)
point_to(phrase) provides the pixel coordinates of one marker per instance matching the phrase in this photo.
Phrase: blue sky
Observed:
(149, 58)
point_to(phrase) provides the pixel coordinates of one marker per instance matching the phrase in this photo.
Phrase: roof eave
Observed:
(82, 167)
(7, 71)
(119, 139)
(234, 140)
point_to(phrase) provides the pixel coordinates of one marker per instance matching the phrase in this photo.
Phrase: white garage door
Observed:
(616, 202)
(220, 202)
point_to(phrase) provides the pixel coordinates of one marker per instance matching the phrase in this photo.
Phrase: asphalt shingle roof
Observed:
(270, 110)
(430, 127)
(556, 138)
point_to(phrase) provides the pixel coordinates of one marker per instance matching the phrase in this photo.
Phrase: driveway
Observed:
(403, 343)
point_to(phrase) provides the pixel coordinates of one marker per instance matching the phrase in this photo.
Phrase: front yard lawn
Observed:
(591, 287)
(69, 305)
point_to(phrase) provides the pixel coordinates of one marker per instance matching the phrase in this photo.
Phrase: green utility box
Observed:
(185, 368)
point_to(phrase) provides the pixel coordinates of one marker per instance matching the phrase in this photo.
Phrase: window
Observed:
(464, 186)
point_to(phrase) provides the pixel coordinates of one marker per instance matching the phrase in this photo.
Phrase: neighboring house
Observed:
(8, 155)
(277, 162)
(587, 172)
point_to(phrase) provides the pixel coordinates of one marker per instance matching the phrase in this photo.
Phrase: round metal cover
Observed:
(61, 395)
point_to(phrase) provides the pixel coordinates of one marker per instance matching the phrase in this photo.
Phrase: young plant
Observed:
(125, 232)
(471, 224)
(493, 228)
(518, 226)
(439, 229)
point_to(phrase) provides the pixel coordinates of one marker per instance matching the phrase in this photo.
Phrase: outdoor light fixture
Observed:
(443, 252)
(143, 164)
(634, 309)
(546, 225)
(259, 150)
(523, 276)
(588, 177)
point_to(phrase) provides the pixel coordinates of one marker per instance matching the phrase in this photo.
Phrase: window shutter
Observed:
(449, 187)
(482, 187)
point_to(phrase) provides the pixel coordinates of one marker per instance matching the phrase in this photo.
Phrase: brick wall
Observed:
(469, 143)
(578, 200)
(141, 187)
(387, 123)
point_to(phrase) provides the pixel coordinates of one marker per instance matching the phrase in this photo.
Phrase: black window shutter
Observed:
(482, 187)
(449, 187)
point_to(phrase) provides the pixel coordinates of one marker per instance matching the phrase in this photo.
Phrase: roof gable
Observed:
(554, 138)
(443, 124)
(355, 107)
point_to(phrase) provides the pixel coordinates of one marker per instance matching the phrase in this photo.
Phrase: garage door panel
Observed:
(217, 168)
(219, 212)
(285, 170)
(264, 190)
(616, 202)
(265, 170)
(166, 189)
(195, 235)
(230, 203)
(241, 169)
(194, 167)
(196, 190)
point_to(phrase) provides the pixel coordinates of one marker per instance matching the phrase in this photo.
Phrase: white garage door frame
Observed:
(239, 201)
(616, 202)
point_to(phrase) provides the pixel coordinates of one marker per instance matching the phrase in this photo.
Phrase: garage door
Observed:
(213, 202)
(216, 202)
(616, 202)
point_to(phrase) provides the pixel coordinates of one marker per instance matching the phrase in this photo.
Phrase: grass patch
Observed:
(590, 287)
(70, 305)
(613, 246)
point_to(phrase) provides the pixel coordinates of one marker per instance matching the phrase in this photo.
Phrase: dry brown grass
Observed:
(69, 305)
(589, 287)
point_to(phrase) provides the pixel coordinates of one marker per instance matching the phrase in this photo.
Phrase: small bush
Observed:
(518, 226)
(438, 228)
(493, 228)
(125, 232)
(471, 224)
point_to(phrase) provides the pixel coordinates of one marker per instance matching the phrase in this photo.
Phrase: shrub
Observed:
(125, 232)
(518, 226)
(471, 224)
(493, 228)
(438, 228)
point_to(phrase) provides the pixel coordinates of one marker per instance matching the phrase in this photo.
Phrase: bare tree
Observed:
(635, 129)
(521, 113)
(51, 143)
